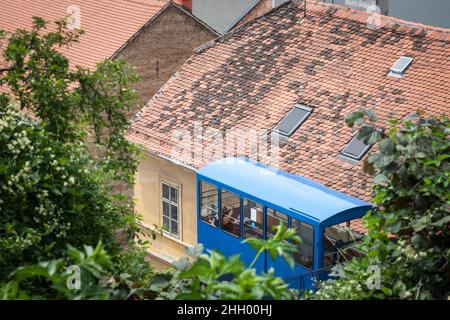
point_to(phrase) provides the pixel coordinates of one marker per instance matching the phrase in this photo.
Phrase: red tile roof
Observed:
(108, 23)
(329, 60)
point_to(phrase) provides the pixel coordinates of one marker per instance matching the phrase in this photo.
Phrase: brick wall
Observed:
(163, 47)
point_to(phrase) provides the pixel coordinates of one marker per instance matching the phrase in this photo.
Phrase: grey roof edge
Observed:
(153, 18)
(230, 33)
(243, 15)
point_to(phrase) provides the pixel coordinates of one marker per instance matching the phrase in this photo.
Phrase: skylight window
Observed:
(355, 150)
(399, 68)
(290, 123)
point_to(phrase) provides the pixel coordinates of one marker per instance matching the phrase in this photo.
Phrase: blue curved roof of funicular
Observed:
(290, 192)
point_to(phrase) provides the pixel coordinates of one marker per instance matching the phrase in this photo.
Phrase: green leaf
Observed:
(354, 118)
(380, 179)
(52, 267)
(195, 251)
(160, 281)
(442, 222)
(370, 114)
(181, 264)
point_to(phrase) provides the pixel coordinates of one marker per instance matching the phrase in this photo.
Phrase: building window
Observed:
(209, 205)
(304, 256)
(170, 209)
(273, 219)
(231, 213)
(253, 219)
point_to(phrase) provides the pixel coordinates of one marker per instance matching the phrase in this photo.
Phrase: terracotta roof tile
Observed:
(108, 24)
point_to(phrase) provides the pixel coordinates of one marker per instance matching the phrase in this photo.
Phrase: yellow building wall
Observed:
(151, 172)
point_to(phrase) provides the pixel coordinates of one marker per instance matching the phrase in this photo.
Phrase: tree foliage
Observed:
(53, 191)
(53, 275)
(67, 99)
(408, 229)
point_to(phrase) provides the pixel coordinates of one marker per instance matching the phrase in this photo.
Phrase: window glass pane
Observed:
(273, 219)
(356, 148)
(304, 256)
(165, 209)
(165, 191)
(338, 244)
(253, 219)
(289, 124)
(174, 228)
(166, 226)
(231, 213)
(173, 194)
(209, 204)
(174, 212)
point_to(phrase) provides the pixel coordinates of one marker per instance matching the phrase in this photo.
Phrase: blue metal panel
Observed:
(294, 196)
(306, 199)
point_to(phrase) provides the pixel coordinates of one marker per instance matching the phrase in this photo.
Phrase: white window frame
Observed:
(171, 203)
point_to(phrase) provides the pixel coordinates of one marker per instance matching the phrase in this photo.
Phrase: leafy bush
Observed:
(132, 265)
(408, 229)
(51, 195)
(49, 279)
(53, 190)
(212, 276)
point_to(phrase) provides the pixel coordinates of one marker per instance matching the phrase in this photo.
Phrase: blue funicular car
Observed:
(239, 198)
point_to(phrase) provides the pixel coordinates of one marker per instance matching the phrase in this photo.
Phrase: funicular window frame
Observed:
(336, 250)
(276, 215)
(310, 243)
(251, 226)
(235, 221)
(213, 189)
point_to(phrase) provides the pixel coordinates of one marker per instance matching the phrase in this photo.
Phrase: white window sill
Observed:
(165, 235)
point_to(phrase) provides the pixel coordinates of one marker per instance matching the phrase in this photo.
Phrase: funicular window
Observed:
(273, 219)
(231, 213)
(253, 219)
(209, 204)
(304, 256)
(339, 244)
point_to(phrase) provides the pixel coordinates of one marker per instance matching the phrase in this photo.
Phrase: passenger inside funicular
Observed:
(231, 213)
(340, 244)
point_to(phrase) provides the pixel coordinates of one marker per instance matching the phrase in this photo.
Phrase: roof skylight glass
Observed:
(356, 149)
(399, 68)
(290, 123)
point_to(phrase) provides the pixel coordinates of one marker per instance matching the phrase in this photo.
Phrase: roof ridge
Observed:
(358, 12)
(345, 11)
